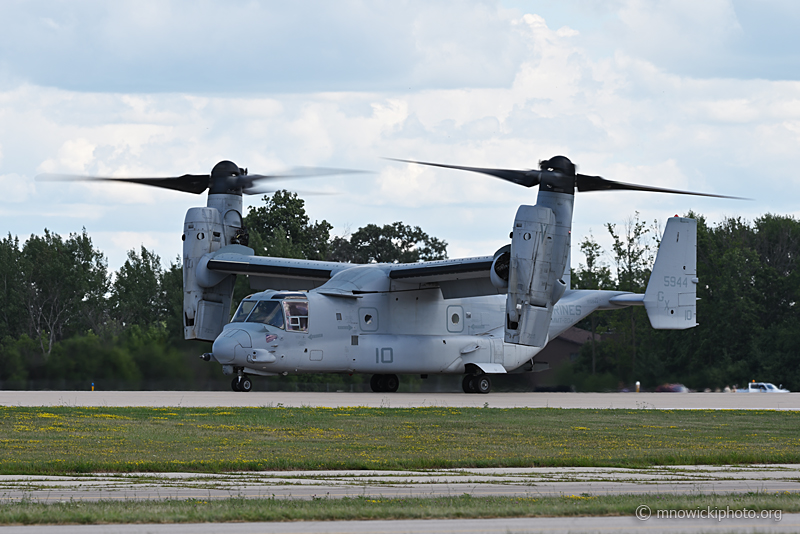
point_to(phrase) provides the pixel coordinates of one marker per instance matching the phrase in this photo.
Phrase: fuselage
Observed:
(394, 332)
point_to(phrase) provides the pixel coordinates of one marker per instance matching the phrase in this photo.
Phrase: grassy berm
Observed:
(76, 440)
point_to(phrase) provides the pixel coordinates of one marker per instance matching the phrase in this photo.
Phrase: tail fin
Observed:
(671, 295)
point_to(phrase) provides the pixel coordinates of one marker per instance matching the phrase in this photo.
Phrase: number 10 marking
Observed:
(384, 355)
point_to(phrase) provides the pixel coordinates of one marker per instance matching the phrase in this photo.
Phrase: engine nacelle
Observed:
(537, 260)
(498, 274)
(205, 309)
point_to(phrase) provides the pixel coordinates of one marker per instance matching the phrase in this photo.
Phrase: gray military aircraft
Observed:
(475, 317)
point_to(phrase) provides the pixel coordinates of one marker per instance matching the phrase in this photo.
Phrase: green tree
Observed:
(632, 254)
(16, 359)
(593, 275)
(89, 358)
(12, 311)
(729, 306)
(157, 359)
(281, 228)
(391, 243)
(171, 292)
(136, 294)
(64, 286)
(777, 244)
(633, 257)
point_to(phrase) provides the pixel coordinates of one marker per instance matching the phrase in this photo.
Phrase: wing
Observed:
(276, 273)
(459, 278)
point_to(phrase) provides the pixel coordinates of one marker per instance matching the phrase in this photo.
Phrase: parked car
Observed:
(762, 387)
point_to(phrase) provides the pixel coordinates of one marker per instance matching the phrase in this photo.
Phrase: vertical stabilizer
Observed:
(670, 299)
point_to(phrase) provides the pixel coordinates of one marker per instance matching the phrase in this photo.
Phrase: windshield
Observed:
(267, 312)
(263, 311)
(244, 310)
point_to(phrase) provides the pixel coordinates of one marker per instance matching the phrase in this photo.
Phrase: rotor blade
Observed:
(524, 178)
(306, 172)
(188, 183)
(247, 181)
(586, 183)
(269, 191)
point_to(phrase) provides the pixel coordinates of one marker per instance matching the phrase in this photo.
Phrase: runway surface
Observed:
(574, 525)
(507, 482)
(660, 401)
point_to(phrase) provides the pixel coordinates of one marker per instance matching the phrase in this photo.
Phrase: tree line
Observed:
(67, 321)
(749, 321)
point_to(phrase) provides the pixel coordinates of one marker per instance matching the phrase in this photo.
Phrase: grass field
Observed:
(79, 440)
(225, 510)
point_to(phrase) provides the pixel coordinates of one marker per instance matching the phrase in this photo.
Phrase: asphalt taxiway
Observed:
(660, 401)
(506, 482)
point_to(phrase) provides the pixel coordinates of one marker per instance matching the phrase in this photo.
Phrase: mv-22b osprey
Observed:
(472, 316)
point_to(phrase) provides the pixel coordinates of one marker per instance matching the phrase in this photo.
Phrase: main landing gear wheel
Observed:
(476, 384)
(245, 384)
(235, 383)
(468, 384)
(384, 383)
(483, 384)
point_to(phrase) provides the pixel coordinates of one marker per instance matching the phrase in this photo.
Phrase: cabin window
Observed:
(296, 315)
(454, 322)
(267, 312)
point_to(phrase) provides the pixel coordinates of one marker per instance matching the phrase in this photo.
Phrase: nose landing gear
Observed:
(241, 383)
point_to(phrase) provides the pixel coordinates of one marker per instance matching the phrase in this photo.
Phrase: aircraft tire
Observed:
(235, 384)
(468, 384)
(245, 385)
(375, 383)
(384, 383)
(390, 383)
(483, 384)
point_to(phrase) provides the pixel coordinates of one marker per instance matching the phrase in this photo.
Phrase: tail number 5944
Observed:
(676, 281)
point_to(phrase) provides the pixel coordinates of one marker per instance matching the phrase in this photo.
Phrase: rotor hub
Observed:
(557, 175)
(560, 164)
(224, 178)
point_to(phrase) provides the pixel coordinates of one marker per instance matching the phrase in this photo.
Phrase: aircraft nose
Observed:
(224, 347)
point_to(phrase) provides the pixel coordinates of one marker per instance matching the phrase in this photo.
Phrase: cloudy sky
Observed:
(680, 94)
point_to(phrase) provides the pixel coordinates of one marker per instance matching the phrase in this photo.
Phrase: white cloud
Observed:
(618, 111)
(74, 156)
(115, 245)
(257, 46)
(16, 188)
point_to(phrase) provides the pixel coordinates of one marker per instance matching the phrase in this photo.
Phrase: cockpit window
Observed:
(261, 311)
(244, 310)
(296, 315)
(267, 312)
